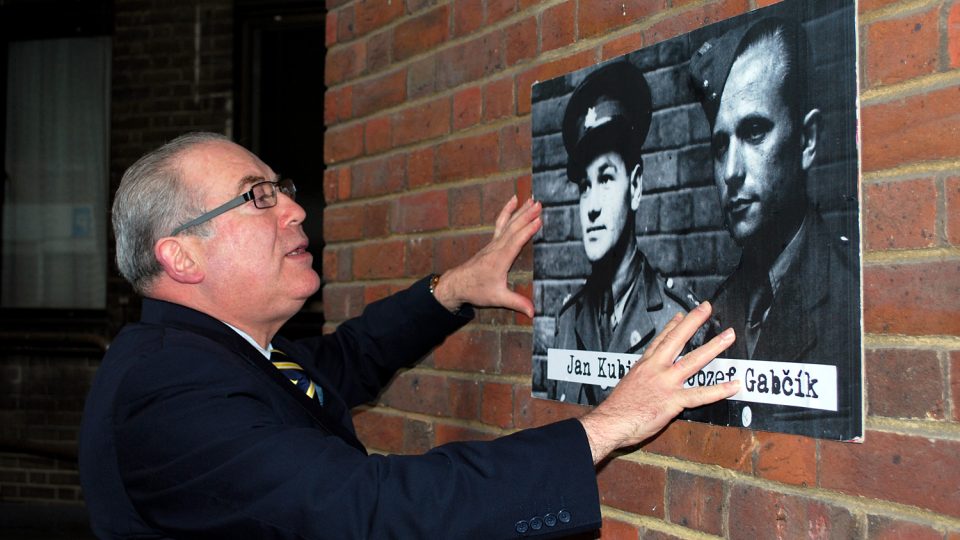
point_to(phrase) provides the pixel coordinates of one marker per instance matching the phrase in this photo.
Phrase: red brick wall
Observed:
(428, 133)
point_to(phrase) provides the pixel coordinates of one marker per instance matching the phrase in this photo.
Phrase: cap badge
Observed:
(592, 120)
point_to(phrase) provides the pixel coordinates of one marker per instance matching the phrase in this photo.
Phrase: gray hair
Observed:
(151, 201)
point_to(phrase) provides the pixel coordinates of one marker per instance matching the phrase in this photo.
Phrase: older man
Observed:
(794, 296)
(624, 301)
(203, 422)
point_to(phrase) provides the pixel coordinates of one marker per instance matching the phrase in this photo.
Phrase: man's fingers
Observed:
(676, 339)
(704, 354)
(703, 395)
(671, 324)
(504, 215)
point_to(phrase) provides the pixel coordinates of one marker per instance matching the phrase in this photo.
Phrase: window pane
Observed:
(55, 193)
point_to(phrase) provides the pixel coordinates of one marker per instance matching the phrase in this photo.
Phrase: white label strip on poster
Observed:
(810, 386)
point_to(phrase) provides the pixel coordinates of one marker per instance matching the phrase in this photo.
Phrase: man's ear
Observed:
(178, 261)
(809, 137)
(636, 187)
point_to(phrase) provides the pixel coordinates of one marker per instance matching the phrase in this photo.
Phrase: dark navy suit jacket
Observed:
(189, 432)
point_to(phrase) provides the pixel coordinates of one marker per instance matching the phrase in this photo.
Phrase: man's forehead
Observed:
(754, 82)
(225, 164)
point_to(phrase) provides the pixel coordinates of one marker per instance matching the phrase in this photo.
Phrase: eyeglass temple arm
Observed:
(213, 213)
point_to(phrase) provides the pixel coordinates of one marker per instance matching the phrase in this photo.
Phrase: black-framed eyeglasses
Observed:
(263, 195)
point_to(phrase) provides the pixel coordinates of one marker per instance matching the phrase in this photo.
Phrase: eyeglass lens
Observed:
(265, 193)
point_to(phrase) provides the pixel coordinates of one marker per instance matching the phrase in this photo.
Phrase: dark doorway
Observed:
(280, 54)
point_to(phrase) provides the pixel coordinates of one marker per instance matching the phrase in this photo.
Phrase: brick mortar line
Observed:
(474, 376)
(901, 341)
(653, 523)
(430, 419)
(894, 11)
(837, 498)
(941, 430)
(912, 171)
(916, 256)
(909, 88)
(446, 186)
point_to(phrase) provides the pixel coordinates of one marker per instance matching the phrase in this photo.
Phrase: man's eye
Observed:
(755, 130)
(604, 178)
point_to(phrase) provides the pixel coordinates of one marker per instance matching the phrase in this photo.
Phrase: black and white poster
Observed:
(720, 165)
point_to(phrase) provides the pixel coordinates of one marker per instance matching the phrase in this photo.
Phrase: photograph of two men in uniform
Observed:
(720, 166)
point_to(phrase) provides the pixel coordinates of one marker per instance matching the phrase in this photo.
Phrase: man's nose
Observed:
(291, 213)
(733, 163)
(593, 214)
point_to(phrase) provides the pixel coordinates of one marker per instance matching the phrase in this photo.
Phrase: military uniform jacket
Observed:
(651, 304)
(189, 432)
(814, 317)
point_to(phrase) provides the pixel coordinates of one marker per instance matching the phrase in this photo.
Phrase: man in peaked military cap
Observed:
(794, 296)
(624, 302)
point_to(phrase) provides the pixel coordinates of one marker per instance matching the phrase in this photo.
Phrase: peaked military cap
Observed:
(611, 105)
(710, 65)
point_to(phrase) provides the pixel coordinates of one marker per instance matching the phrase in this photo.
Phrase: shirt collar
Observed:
(246, 336)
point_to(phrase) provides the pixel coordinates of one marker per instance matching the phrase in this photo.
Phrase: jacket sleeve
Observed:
(216, 455)
(363, 353)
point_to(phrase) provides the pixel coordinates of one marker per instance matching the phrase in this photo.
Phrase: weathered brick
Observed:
(893, 467)
(377, 177)
(453, 250)
(695, 502)
(379, 431)
(424, 211)
(343, 143)
(790, 459)
(377, 135)
(953, 35)
(467, 108)
(420, 164)
(498, 99)
(421, 33)
(497, 10)
(419, 392)
(886, 528)
(422, 122)
(520, 41)
(515, 352)
(376, 219)
(418, 257)
(379, 51)
(612, 529)
(465, 206)
(760, 513)
(469, 350)
(515, 145)
(731, 448)
(598, 17)
(619, 481)
(901, 215)
(467, 157)
(549, 70)
(467, 17)
(911, 129)
(330, 29)
(373, 14)
(955, 383)
(470, 61)
(622, 45)
(378, 260)
(905, 383)
(447, 433)
(342, 223)
(342, 302)
(903, 48)
(337, 105)
(345, 62)
(464, 398)
(496, 406)
(380, 93)
(422, 77)
(951, 188)
(692, 19)
(913, 299)
(558, 26)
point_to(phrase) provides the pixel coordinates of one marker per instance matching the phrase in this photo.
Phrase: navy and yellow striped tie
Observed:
(295, 373)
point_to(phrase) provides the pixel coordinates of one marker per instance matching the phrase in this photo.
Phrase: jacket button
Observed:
(536, 523)
(521, 526)
(563, 516)
(550, 520)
